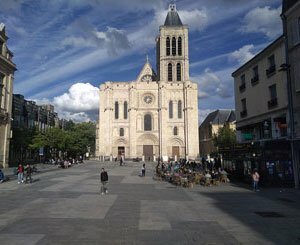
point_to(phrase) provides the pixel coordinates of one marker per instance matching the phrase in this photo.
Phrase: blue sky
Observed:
(64, 49)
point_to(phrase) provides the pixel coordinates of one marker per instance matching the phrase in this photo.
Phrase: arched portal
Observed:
(147, 146)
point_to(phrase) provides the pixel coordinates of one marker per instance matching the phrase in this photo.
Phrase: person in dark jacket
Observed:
(2, 178)
(28, 171)
(104, 181)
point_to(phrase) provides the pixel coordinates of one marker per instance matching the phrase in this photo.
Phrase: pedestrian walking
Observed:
(143, 170)
(255, 178)
(20, 174)
(2, 177)
(104, 181)
(28, 171)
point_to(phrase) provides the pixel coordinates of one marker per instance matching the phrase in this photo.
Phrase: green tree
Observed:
(225, 137)
(77, 140)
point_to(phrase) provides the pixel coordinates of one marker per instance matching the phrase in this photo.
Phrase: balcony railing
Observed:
(271, 70)
(254, 80)
(272, 103)
(243, 113)
(243, 87)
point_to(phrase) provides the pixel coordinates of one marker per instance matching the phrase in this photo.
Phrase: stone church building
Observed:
(157, 114)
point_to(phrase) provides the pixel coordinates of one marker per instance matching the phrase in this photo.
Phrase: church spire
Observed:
(173, 18)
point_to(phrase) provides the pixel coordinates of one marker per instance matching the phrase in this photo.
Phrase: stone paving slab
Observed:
(65, 207)
(20, 239)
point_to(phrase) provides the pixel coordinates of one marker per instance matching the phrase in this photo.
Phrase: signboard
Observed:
(248, 136)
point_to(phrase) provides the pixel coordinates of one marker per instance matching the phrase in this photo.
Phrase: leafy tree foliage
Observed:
(225, 137)
(74, 140)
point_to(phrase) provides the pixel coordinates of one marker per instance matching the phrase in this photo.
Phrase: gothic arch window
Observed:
(116, 110)
(147, 122)
(121, 132)
(171, 109)
(175, 131)
(125, 110)
(179, 109)
(168, 45)
(173, 46)
(179, 46)
(170, 78)
(178, 68)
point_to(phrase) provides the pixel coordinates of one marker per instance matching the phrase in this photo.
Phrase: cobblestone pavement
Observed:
(64, 206)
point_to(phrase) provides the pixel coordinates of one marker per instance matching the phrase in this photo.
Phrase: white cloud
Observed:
(243, 54)
(115, 39)
(80, 103)
(263, 20)
(80, 97)
(76, 117)
(77, 42)
(112, 39)
(196, 19)
(213, 83)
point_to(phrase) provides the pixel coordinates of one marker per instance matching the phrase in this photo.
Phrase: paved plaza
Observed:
(64, 206)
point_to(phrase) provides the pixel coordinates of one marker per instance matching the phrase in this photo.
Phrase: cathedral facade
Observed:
(157, 114)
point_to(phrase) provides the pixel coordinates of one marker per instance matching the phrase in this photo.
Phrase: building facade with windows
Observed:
(7, 69)
(27, 115)
(157, 114)
(262, 115)
(291, 31)
(211, 126)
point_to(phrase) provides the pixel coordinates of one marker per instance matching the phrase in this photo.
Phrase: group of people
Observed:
(27, 170)
(191, 172)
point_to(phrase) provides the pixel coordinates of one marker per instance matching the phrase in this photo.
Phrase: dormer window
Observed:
(172, 7)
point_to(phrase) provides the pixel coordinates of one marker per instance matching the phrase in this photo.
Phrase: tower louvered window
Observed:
(170, 78)
(125, 109)
(116, 110)
(179, 109)
(168, 45)
(179, 46)
(171, 109)
(173, 46)
(178, 68)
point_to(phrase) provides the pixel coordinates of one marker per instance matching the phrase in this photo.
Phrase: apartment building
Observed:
(27, 115)
(7, 69)
(262, 117)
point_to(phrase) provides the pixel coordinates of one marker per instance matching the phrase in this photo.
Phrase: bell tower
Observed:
(172, 49)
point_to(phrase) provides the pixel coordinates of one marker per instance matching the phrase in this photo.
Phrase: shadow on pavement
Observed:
(272, 213)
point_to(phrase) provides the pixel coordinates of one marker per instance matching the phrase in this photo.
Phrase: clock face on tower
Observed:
(148, 99)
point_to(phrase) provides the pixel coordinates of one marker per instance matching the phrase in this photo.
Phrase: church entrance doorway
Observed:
(148, 152)
(121, 151)
(175, 151)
